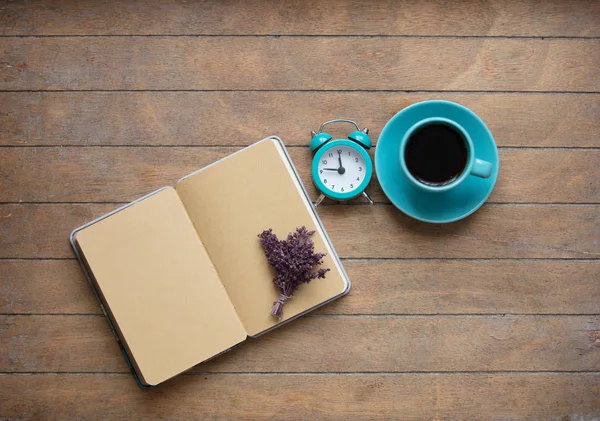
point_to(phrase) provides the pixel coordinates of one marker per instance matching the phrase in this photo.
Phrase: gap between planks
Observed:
(375, 259)
(303, 373)
(375, 203)
(275, 36)
(245, 145)
(364, 315)
(398, 91)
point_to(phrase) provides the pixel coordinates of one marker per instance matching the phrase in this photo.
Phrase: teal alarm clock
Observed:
(341, 168)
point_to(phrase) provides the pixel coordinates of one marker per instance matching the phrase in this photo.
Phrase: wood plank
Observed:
(438, 287)
(494, 231)
(379, 287)
(237, 118)
(515, 231)
(337, 17)
(83, 175)
(299, 63)
(329, 344)
(305, 397)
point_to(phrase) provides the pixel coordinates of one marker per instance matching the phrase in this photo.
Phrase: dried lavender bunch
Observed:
(293, 260)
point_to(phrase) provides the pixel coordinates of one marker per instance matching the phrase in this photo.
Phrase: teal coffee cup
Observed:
(437, 155)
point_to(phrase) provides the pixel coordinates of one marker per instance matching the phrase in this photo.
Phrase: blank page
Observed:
(235, 199)
(160, 286)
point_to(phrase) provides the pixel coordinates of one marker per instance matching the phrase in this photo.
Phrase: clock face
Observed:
(342, 169)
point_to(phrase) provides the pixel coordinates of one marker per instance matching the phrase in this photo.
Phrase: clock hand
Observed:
(341, 169)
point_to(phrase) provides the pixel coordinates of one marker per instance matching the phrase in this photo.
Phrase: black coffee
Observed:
(436, 154)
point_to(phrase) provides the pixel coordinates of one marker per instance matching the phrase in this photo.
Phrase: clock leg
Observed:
(319, 200)
(366, 195)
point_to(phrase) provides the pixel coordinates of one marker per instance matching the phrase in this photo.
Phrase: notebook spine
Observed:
(107, 316)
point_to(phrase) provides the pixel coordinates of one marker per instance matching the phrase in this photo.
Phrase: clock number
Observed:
(330, 155)
(339, 151)
(355, 159)
(348, 153)
(321, 172)
(359, 168)
(332, 186)
(325, 181)
(351, 186)
(324, 162)
(357, 178)
(342, 189)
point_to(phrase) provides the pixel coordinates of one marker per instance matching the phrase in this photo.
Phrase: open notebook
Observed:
(181, 274)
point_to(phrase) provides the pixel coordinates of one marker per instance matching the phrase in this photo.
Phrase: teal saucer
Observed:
(449, 206)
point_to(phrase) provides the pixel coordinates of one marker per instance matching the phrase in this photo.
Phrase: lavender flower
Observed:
(293, 260)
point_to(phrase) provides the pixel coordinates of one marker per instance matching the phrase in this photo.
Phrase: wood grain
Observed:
(328, 344)
(494, 231)
(339, 17)
(492, 318)
(116, 174)
(378, 287)
(317, 63)
(300, 397)
(238, 118)
(471, 286)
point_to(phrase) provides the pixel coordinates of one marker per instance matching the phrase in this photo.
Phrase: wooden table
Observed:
(495, 317)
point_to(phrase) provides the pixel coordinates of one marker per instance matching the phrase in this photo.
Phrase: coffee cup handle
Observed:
(482, 169)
